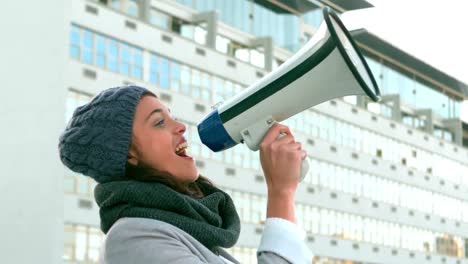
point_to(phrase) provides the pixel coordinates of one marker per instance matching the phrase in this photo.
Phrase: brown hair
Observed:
(143, 172)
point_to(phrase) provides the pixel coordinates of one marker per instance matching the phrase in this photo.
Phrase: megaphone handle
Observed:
(304, 164)
(252, 136)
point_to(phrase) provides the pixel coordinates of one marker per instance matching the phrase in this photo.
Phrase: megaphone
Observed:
(330, 65)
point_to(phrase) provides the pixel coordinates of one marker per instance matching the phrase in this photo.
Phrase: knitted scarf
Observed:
(212, 220)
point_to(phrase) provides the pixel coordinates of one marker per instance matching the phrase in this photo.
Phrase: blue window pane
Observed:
(137, 72)
(88, 40)
(175, 76)
(113, 49)
(137, 58)
(206, 95)
(153, 77)
(100, 51)
(112, 65)
(154, 63)
(132, 8)
(153, 69)
(124, 53)
(87, 57)
(100, 44)
(206, 81)
(75, 37)
(164, 74)
(74, 52)
(124, 68)
(112, 54)
(185, 79)
(159, 19)
(100, 60)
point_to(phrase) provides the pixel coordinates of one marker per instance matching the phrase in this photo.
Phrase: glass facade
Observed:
(254, 19)
(108, 53)
(364, 184)
(412, 91)
(314, 17)
(342, 133)
(171, 75)
(197, 33)
(129, 7)
(322, 221)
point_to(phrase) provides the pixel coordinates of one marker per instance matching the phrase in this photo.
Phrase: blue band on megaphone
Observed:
(213, 134)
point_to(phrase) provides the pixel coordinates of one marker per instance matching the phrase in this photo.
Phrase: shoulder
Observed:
(135, 230)
(132, 226)
(142, 240)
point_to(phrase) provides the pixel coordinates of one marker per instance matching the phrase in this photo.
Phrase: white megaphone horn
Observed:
(330, 65)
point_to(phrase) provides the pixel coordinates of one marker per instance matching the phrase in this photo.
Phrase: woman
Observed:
(154, 205)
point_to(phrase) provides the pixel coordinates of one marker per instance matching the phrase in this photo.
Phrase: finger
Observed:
(273, 133)
(283, 142)
(291, 146)
(284, 138)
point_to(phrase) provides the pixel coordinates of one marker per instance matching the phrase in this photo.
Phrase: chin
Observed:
(191, 177)
(196, 176)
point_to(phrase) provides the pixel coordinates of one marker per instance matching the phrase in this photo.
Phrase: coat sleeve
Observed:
(282, 242)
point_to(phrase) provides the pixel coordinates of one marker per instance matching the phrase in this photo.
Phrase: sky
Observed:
(434, 31)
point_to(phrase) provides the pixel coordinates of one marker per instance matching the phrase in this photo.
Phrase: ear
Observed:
(132, 157)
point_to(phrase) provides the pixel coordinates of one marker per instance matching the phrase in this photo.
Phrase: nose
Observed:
(180, 127)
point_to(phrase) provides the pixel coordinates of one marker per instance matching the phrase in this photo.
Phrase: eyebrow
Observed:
(157, 110)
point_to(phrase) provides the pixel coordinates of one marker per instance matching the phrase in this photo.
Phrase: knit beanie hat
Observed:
(97, 138)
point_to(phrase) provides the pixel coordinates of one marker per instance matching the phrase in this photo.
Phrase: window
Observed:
(112, 56)
(132, 7)
(137, 66)
(87, 48)
(82, 243)
(164, 73)
(101, 51)
(129, 7)
(222, 44)
(175, 76)
(185, 79)
(124, 65)
(75, 42)
(159, 19)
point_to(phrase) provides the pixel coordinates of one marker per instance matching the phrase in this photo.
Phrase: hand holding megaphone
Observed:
(304, 164)
(281, 157)
(254, 135)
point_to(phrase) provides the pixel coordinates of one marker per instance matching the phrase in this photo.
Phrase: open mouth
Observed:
(181, 150)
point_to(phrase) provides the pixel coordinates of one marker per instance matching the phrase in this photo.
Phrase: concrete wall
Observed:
(32, 105)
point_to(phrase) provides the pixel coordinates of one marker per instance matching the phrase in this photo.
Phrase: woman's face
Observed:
(156, 137)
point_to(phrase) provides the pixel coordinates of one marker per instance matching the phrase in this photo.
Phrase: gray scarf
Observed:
(212, 220)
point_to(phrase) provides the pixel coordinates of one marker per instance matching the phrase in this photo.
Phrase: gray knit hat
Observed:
(97, 138)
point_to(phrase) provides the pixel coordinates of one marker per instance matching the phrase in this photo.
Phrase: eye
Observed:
(160, 123)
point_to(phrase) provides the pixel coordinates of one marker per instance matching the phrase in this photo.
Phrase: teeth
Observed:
(181, 147)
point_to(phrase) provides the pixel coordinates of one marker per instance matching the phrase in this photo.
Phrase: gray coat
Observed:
(149, 241)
